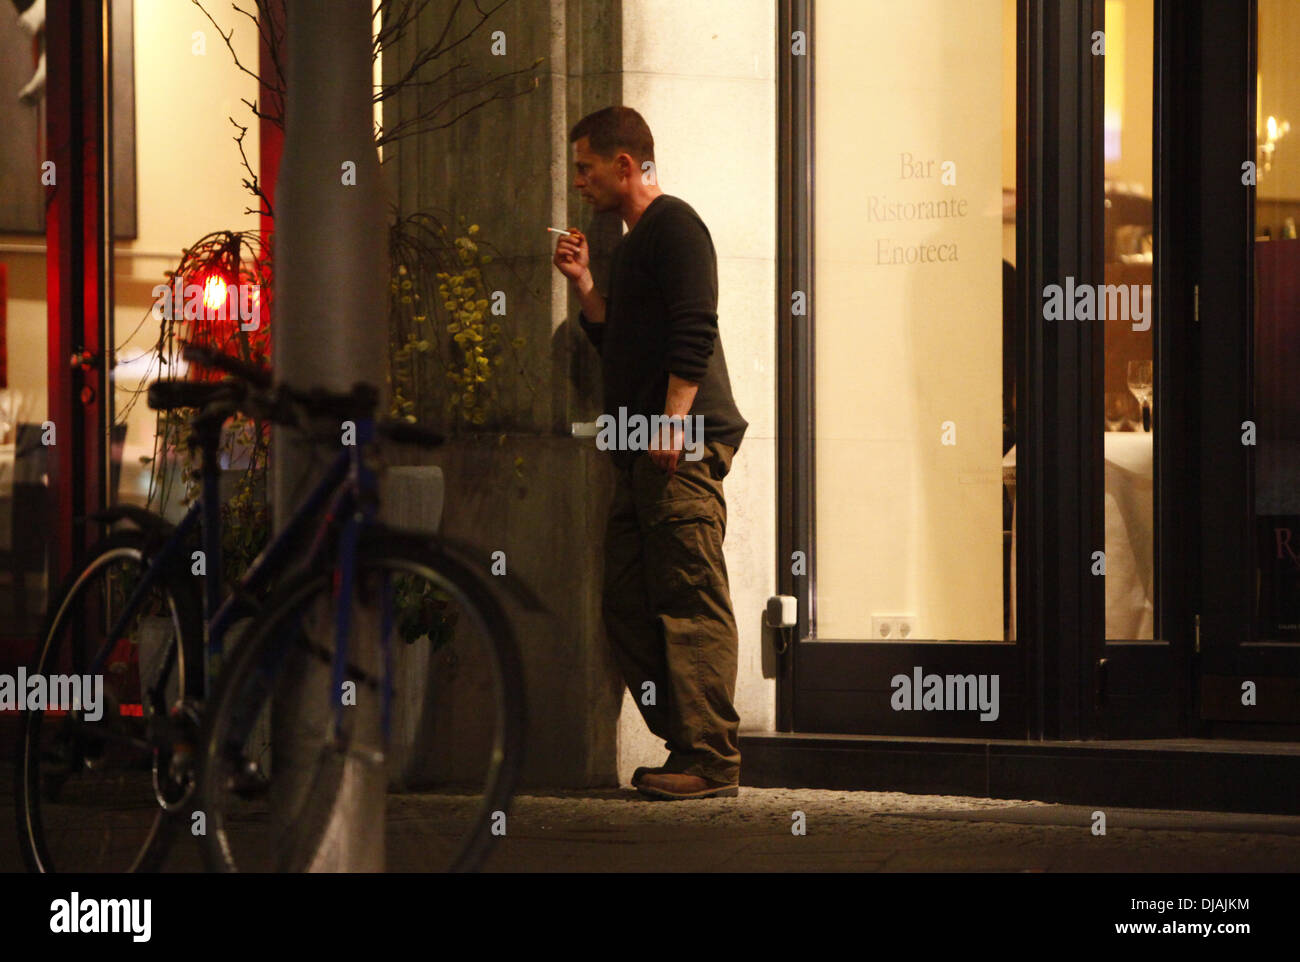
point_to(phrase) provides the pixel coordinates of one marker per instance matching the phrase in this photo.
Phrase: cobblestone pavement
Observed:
(615, 830)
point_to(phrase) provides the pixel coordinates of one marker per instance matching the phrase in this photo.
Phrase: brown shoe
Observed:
(645, 770)
(673, 786)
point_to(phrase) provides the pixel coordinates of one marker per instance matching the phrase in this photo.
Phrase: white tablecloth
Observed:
(1130, 535)
(1130, 538)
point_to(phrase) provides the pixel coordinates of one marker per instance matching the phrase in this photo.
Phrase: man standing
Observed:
(667, 604)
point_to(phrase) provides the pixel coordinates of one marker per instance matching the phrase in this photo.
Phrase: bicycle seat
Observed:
(168, 395)
(360, 402)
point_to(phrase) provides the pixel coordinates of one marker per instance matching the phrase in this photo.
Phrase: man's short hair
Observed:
(616, 129)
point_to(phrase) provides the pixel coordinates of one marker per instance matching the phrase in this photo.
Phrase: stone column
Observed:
(331, 262)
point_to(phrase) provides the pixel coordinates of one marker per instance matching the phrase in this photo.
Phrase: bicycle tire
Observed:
(37, 774)
(248, 685)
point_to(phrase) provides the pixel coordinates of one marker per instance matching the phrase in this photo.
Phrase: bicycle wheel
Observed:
(91, 792)
(271, 795)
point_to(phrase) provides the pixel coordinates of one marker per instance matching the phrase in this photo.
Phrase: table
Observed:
(1130, 534)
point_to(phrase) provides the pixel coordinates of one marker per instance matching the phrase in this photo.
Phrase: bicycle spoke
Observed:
(88, 794)
(278, 696)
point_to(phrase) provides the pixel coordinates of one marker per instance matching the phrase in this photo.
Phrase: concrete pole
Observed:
(331, 279)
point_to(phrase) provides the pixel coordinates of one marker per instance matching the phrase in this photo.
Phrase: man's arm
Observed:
(686, 269)
(667, 448)
(593, 304)
(591, 315)
(573, 260)
(681, 395)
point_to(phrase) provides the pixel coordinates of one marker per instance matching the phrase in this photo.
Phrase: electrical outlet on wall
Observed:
(893, 627)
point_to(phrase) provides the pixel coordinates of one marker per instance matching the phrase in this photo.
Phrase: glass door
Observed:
(1202, 586)
(1140, 683)
(913, 328)
(1248, 670)
(25, 503)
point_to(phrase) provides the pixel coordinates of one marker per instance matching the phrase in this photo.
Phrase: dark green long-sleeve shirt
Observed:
(661, 317)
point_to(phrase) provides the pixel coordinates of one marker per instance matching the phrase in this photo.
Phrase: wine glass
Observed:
(1139, 382)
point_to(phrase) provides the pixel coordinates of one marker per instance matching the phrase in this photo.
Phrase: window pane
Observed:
(24, 464)
(914, 240)
(1129, 418)
(24, 363)
(1277, 323)
(181, 198)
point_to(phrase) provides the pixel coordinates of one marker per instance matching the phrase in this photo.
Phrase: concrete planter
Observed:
(411, 497)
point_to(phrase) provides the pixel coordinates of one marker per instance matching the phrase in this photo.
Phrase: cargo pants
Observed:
(667, 608)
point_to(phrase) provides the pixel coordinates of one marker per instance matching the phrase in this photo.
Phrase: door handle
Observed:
(83, 359)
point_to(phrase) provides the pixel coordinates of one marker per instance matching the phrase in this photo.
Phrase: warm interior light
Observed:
(214, 292)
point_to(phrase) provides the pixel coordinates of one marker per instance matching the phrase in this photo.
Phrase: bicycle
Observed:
(152, 634)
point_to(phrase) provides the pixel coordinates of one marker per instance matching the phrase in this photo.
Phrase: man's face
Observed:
(597, 178)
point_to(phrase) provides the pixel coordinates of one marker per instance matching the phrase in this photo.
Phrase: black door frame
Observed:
(1145, 687)
(1228, 651)
(1073, 682)
(1051, 676)
(795, 439)
(79, 278)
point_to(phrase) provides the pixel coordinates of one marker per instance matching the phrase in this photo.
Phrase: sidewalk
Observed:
(615, 830)
(618, 831)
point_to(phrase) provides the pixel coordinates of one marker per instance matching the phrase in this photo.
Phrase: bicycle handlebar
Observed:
(359, 402)
(266, 402)
(254, 374)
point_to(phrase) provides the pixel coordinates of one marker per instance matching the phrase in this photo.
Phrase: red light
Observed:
(214, 292)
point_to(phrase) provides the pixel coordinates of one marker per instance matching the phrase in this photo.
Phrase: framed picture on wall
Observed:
(22, 116)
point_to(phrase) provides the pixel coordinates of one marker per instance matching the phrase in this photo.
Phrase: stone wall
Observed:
(704, 77)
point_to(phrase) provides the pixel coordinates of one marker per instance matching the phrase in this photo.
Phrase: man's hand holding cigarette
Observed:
(573, 260)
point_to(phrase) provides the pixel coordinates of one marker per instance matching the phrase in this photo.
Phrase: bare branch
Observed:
(437, 50)
(226, 37)
(251, 182)
(410, 124)
(396, 25)
(428, 53)
(260, 114)
(389, 90)
(483, 17)
(395, 19)
(415, 128)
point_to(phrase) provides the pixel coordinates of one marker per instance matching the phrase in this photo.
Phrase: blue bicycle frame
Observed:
(348, 490)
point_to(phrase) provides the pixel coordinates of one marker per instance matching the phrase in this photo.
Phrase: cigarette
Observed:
(556, 230)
